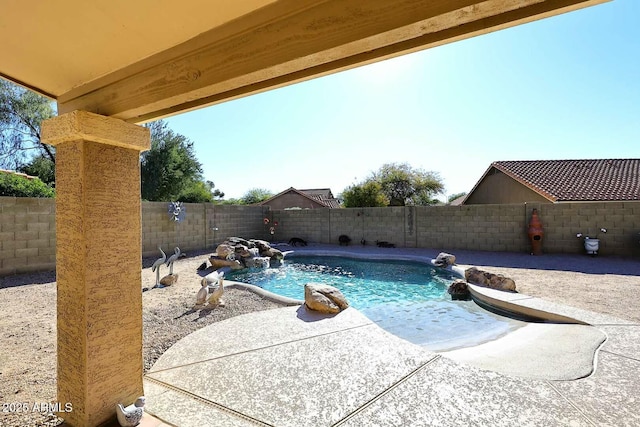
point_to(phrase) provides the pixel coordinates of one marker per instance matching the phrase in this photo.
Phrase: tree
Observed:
(366, 194)
(19, 186)
(42, 167)
(404, 185)
(170, 168)
(215, 192)
(200, 192)
(21, 113)
(255, 195)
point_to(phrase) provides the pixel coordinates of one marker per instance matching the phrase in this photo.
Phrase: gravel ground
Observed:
(28, 330)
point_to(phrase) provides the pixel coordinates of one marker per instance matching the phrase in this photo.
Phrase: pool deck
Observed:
(292, 367)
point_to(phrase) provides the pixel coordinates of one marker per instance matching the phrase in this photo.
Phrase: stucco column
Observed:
(98, 263)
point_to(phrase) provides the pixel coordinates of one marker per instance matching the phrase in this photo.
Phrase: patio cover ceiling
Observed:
(144, 59)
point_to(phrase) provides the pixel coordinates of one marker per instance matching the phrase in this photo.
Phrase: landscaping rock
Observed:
(224, 250)
(324, 298)
(459, 290)
(217, 263)
(169, 279)
(479, 277)
(445, 260)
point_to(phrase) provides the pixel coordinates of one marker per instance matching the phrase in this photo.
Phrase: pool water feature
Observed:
(406, 298)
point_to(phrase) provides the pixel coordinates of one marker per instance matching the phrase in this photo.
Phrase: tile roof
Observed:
(577, 180)
(324, 196)
(24, 175)
(318, 196)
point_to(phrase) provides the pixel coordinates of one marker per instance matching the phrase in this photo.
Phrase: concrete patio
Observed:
(291, 367)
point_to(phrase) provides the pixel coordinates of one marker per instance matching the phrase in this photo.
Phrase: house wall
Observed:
(499, 188)
(27, 227)
(293, 200)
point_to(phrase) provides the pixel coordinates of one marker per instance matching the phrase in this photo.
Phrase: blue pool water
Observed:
(408, 299)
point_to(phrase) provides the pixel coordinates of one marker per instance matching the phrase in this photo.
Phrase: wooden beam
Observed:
(291, 41)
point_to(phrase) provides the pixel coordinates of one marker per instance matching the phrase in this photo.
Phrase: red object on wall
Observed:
(535, 233)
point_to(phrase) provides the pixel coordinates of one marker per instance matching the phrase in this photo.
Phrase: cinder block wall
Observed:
(308, 224)
(159, 230)
(27, 235)
(224, 221)
(198, 229)
(27, 228)
(501, 228)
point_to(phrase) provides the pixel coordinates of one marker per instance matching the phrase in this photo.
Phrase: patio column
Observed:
(98, 263)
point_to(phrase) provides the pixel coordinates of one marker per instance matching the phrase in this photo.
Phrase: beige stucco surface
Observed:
(498, 188)
(98, 228)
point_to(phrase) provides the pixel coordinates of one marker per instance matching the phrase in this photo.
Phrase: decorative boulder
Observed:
(234, 241)
(217, 263)
(489, 280)
(223, 250)
(242, 252)
(459, 290)
(169, 279)
(445, 260)
(257, 262)
(324, 298)
(254, 252)
(262, 245)
(272, 253)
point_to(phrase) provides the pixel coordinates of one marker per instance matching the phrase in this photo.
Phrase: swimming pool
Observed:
(406, 298)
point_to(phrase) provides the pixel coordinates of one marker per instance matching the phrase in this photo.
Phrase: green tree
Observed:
(21, 113)
(19, 186)
(404, 185)
(200, 192)
(42, 167)
(366, 194)
(255, 195)
(170, 168)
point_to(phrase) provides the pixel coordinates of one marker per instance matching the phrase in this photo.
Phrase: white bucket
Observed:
(592, 246)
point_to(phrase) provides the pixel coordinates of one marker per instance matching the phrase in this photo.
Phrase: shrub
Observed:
(19, 186)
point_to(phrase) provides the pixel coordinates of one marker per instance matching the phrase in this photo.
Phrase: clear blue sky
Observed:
(566, 87)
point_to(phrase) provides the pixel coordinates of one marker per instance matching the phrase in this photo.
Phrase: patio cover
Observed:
(145, 59)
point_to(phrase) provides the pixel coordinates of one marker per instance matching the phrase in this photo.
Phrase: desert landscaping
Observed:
(28, 316)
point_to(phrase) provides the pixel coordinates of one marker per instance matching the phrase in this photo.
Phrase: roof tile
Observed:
(578, 180)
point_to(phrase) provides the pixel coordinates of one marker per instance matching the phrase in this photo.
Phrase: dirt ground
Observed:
(28, 313)
(28, 330)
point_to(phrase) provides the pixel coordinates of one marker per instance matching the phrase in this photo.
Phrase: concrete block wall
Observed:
(563, 221)
(204, 226)
(481, 227)
(500, 228)
(27, 228)
(27, 235)
(311, 225)
(224, 221)
(159, 230)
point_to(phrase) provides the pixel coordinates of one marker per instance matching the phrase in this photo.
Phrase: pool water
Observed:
(408, 299)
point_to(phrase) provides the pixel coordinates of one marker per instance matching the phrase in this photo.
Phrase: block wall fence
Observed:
(27, 228)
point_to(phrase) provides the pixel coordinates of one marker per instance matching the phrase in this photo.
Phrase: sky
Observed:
(566, 87)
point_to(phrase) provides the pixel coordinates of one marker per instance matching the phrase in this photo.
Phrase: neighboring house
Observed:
(302, 199)
(24, 175)
(556, 181)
